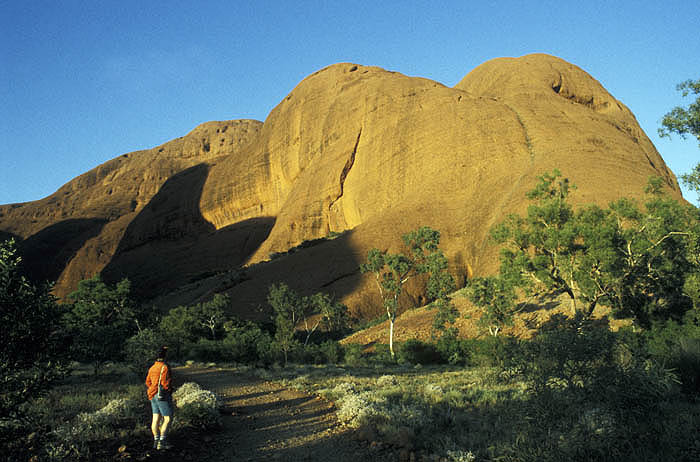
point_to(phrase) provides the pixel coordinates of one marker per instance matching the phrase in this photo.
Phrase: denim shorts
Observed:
(162, 406)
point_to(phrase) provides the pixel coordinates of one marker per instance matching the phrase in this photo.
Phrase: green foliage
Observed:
(636, 261)
(32, 347)
(188, 324)
(692, 180)
(243, 343)
(248, 343)
(100, 318)
(445, 317)
(567, 353)
(333, 315)
(417, 352)
(684, 121)
(496, 296)
(382, 354)
(141, 348)
(392, 271)
(580, 360)
(452, 349)
(309, 312)
(328, 352)
(354, 354)
(543, 252)
(659, 259)
(677, 346)
(288, 310)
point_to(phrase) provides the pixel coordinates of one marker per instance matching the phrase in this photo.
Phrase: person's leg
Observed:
(155, 423)
(164, 426)
(166, 411)
(155, 429)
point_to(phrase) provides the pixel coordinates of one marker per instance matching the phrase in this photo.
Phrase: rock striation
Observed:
(353, 151)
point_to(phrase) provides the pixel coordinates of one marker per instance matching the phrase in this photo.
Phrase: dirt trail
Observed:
(264, 421)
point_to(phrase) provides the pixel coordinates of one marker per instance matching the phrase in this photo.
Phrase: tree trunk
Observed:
(391, 337)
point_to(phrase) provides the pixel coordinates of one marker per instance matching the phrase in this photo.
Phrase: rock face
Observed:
(357, 151)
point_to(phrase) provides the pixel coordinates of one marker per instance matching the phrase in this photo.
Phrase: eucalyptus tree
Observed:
(640, 261)
(393, 270)
(685, 121)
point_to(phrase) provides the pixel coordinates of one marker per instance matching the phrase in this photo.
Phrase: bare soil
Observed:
(264, 421)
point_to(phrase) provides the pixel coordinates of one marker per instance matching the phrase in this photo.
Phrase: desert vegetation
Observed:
(576, 389)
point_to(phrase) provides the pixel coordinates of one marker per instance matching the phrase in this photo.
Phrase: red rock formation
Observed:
(352, 149)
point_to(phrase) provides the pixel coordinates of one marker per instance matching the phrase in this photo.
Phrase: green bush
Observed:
(248, 344)
(687, 365)
(481, 352)
(569, 353)
(677, 346)
(206, 350)
(354, 354)
(594, 392)
(417, 352)
(141, 349)
(329, 352)
(381, 354)
(332, 352)
(453, 350)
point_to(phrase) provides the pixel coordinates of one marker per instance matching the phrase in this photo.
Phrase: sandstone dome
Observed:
(353, 151)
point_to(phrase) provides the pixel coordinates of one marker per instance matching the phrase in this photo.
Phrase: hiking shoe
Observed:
(155, 444)
(163, 445)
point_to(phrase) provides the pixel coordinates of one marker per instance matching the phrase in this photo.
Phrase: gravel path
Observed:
(264, 421)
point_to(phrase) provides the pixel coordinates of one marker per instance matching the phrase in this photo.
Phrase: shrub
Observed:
(382, 354)
(77, 437)
(197, 407)
(390, 417)
(329, 352)
(687, 365)
(677, 346)
(332, 352)
(453, 350)
(461, 456)
(569, 353)
(418, 352)
(140, 350)
(248, 343)
(356, 410)
(206, 350)
(354, 354)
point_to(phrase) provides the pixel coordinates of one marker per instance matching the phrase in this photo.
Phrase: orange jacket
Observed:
(152, 378)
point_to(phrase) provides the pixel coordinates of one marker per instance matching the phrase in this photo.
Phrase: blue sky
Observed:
(82, 82)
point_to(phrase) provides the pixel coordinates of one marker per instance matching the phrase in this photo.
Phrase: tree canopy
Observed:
(393, 270)
(32, 346)
(640, 261)
(100, 318)
(685, 121)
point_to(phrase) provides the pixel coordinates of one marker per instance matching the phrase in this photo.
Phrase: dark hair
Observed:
(162, 353)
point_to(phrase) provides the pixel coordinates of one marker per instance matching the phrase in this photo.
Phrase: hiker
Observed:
(161, 400)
